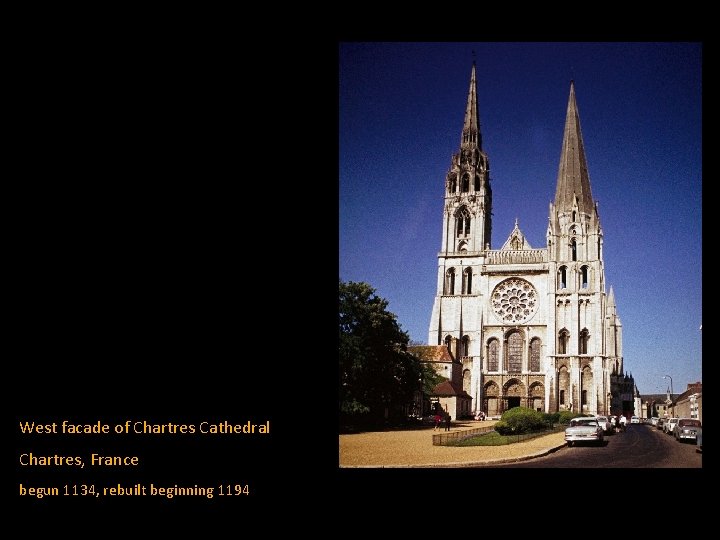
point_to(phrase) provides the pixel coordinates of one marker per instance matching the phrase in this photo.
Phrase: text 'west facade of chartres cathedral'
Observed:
(525, 326)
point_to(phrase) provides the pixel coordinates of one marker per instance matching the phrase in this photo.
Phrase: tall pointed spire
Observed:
(611, 298)
(471, 127)
(573, 179)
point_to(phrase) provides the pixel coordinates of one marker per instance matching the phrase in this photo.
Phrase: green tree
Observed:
(430, 378)
(376, 371)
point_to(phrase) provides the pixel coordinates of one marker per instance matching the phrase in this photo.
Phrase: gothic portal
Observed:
(531, 326)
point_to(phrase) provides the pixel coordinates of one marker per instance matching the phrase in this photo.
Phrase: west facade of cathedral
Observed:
(526, 326)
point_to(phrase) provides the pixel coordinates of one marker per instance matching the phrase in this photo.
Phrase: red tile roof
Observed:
(446, 389)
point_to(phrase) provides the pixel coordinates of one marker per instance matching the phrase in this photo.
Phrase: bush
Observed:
(523, 420)
(503, 428)
(551, 418)
(566, 416)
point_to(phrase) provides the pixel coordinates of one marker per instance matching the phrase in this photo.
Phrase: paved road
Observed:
(641, 446)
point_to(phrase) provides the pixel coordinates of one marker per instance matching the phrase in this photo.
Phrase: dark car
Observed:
(660, 423)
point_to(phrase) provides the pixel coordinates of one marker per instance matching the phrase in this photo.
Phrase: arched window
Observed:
(462, 217)
(450, 281)
(563, 338)
(564, 386)
(465, 183)
(493, 351)
(573, 249)
(574, 216)
(514, 353)
(584, 338)
(477, 182)
(586, 382)
(584, 277)
(535, 347)
(465, 346)
(448, 341)
(562, 277)
(466, 380)
(467, 281)
(452, 185)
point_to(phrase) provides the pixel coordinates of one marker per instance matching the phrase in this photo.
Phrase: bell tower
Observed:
(466, 234)
(468, 197)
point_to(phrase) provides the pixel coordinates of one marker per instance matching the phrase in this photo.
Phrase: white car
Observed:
(687, 428)
(669, 425)
(584, 429)
(604, 423)
(634, 420)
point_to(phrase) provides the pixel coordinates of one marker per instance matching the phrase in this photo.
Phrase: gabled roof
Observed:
(696, 389)
(431, 353)
(448, 389)
(516, 240)
(659, 397)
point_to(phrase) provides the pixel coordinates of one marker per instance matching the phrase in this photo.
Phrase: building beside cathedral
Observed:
(526, 326)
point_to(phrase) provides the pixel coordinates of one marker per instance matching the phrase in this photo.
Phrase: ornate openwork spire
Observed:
(471, 128)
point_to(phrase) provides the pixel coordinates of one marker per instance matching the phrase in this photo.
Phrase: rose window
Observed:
(514, 300)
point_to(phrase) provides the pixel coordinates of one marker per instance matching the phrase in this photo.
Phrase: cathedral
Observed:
(524, 326)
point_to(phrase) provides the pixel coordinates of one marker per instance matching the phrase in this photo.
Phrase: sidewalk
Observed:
(414, 448)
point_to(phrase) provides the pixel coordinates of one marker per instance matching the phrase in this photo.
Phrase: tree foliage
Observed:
(430, 378)
(376, 371)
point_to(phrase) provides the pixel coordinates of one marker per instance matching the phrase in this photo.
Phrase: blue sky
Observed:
(401, 114)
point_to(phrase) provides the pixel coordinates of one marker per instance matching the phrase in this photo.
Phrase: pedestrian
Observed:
(623, 422)
(437, 422)
(612, 421)
(447, 422)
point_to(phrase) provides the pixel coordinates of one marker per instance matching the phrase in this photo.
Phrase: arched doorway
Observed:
(492, 394)
(537, 397)
(513, 393)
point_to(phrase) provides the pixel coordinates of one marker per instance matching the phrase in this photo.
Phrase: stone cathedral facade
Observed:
(526, 326)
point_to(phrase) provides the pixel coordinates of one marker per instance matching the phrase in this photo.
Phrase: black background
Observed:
(174, 259)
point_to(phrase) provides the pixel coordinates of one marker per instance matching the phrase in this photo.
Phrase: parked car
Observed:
(605, 424)
(654, 420)
(583, 429)
(660, 423)
(687, 429)
(634, 420)
(669, 426)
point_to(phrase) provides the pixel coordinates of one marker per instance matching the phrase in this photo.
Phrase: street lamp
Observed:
(672, 414)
